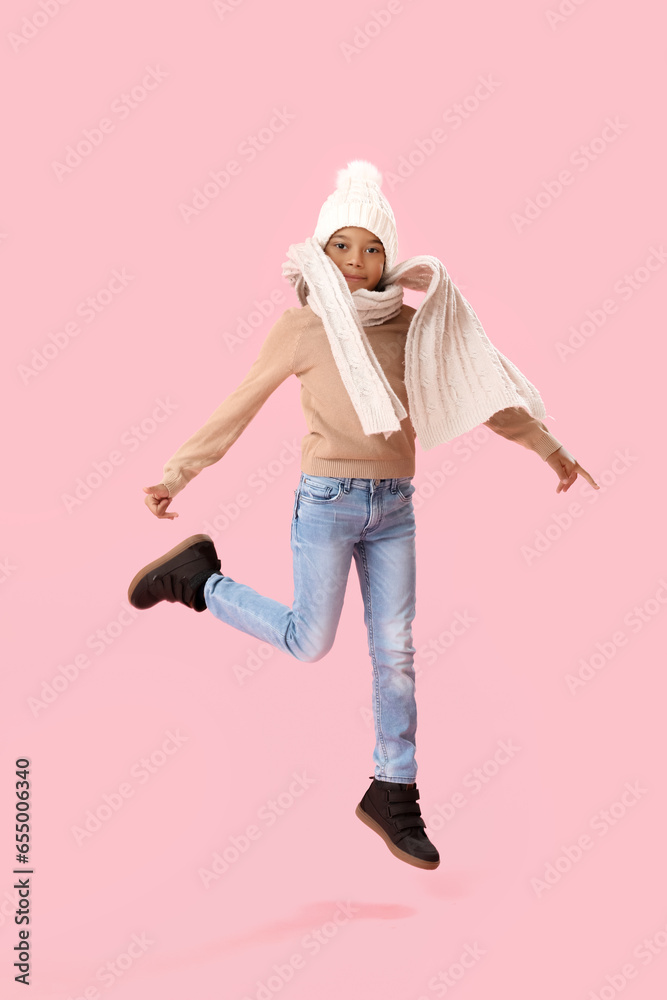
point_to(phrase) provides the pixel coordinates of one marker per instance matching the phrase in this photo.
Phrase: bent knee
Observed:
(311, 654)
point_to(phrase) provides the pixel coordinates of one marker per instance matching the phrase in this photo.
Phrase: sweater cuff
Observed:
(546, 445)
(174, 484)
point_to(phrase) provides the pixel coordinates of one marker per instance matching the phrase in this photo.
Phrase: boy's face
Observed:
(359, 253)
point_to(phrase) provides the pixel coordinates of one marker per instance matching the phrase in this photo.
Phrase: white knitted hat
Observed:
(358, 201)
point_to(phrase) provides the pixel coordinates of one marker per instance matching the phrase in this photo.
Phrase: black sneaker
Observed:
(391, 809)
(178, 575)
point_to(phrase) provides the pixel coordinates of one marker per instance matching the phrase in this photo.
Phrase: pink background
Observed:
(352, 89)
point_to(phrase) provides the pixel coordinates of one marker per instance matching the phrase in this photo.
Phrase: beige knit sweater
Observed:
(335, 445)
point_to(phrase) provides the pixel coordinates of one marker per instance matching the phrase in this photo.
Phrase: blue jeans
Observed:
(333, 521)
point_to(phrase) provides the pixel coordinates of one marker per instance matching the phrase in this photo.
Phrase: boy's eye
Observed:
(374, 249)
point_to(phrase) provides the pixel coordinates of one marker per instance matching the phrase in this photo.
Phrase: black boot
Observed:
(178, 575)
(391, 809)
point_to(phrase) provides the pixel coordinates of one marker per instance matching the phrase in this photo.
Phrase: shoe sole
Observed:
(177, 549)
(396, 851)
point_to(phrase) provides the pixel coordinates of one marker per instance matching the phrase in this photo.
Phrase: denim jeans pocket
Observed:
(405, 488)
(320, 489)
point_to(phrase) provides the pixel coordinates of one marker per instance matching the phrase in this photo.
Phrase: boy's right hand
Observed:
(158, 500)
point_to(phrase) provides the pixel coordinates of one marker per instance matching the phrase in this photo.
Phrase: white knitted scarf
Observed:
(454, 377)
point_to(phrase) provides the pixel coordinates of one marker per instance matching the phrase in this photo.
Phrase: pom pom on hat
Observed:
(359, 170)
(358, 201)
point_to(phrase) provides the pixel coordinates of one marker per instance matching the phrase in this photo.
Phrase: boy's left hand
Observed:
(567, 468)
